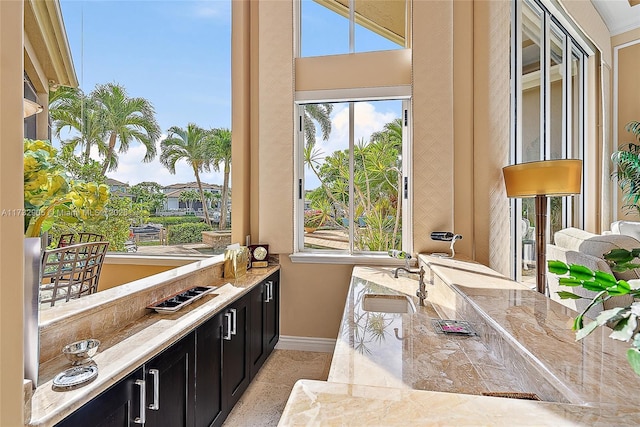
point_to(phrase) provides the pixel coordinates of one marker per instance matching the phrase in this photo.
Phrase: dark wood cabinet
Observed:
(264, 321)
(119, 406)
(197, 380)
(170, 385)
(235, 352)
(209, 405)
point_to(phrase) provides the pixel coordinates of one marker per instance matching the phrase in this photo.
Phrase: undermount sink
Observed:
(383, 303)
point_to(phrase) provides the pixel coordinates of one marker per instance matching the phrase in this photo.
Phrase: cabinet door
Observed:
(235, 352)
(257, 337)
(118, 406)
(170, 383)
(209, 407)
(272, 313)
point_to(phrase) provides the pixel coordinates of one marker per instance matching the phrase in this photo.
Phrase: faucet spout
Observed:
(421, 292)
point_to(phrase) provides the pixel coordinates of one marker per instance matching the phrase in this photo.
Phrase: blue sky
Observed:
(177, 55)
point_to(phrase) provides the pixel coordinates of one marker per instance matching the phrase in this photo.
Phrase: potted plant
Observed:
(313, 218)
(51, 195)
(623, 320)
(627, 164)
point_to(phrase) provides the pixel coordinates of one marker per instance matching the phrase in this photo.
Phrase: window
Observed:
(353, 179)
(548, 117)
(165, 67)
(332, 27)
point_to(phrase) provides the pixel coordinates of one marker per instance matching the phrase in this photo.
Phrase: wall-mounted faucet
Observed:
(421, 293)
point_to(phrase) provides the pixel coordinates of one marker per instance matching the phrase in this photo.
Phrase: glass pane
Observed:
(324, 28)
(380, 25)
(171, 59)
(377, 176)
(531, 83)
(326, 176)
(556, 101)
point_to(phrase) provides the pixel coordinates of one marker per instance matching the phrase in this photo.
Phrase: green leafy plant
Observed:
(313, 218)
(627, 161)
(50, 195)
(187, 233)
(623, 320)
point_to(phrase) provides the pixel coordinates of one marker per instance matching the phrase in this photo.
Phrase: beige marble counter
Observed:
(124, 349)
(394, 369)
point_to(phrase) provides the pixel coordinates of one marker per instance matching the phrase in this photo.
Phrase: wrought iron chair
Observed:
(71, 271)
(72, 239)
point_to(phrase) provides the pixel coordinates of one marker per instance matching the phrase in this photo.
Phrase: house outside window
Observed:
(548, 118)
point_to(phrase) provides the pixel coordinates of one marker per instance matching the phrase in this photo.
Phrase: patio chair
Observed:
(72, 239)
(71, 271)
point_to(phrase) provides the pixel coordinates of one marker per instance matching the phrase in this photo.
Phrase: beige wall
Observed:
(627, 47)
(11, 227)
(118, 274)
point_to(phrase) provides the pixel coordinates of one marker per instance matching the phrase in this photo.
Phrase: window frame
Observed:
(552, 20)
(302, 254)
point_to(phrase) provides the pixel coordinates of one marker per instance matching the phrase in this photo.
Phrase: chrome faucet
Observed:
(421, 292)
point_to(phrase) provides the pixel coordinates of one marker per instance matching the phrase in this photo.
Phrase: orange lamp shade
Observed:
(547, 177)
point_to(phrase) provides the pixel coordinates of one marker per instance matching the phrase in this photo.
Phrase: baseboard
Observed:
(323, 345)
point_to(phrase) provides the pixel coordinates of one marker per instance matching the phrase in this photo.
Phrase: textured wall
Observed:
(491, 132)
(433, 184)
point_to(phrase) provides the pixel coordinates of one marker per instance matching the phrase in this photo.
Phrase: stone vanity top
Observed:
(395, 369)
(127, 348)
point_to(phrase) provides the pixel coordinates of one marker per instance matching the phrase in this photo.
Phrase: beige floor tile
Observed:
(262, 403)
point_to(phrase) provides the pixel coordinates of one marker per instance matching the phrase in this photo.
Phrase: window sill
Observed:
(320, 258)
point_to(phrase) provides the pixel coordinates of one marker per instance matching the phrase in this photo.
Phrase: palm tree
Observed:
(125, 120)
(320, 113)
(187, 197)
(220, 147)
(190, 145)
(71, 108)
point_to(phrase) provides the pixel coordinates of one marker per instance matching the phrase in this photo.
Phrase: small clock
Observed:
(259, 255)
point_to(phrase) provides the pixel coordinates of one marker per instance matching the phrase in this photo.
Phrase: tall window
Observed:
(352, 171)
(548, 117)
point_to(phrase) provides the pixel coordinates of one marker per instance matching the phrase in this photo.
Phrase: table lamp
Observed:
(542, 179)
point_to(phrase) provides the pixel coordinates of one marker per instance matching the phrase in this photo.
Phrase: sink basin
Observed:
(383, 303)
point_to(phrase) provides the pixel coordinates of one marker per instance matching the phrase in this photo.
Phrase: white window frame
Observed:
(301, 254)
(573, 41)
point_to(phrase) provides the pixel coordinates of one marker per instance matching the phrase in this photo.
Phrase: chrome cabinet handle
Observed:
(227, 333)
(266, 291)
(143, 407)
(235, 318)
(155, 405)
(270, 283)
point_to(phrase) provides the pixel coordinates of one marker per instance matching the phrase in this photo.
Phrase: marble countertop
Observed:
(123, 351)
(395, 369)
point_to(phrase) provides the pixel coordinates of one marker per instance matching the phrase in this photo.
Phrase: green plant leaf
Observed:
(633, 357)
(593, 286)
(557, 267)
(607, 315)
(605, 278)
(618, 256)
(568, 295)
(621, 288)
(583, 332)
(570, 281)
(624, 329)
(581, 272)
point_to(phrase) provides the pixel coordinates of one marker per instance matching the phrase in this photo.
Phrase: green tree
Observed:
(188, 197)
(72, 110)
(190, 145)
(627, 162)
(220, 154)
(149, 195)
(320, 114)
(125, 120)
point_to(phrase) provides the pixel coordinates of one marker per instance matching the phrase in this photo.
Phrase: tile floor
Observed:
(262, 403)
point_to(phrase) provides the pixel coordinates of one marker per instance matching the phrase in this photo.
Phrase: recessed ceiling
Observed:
(619, 15)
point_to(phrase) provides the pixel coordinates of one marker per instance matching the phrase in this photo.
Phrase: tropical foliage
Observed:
(377, 186)
(51, 195)
(108, 119)
(220, 158)
(187, 233)
(149, 195)
(627, 162)
(623, 320)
